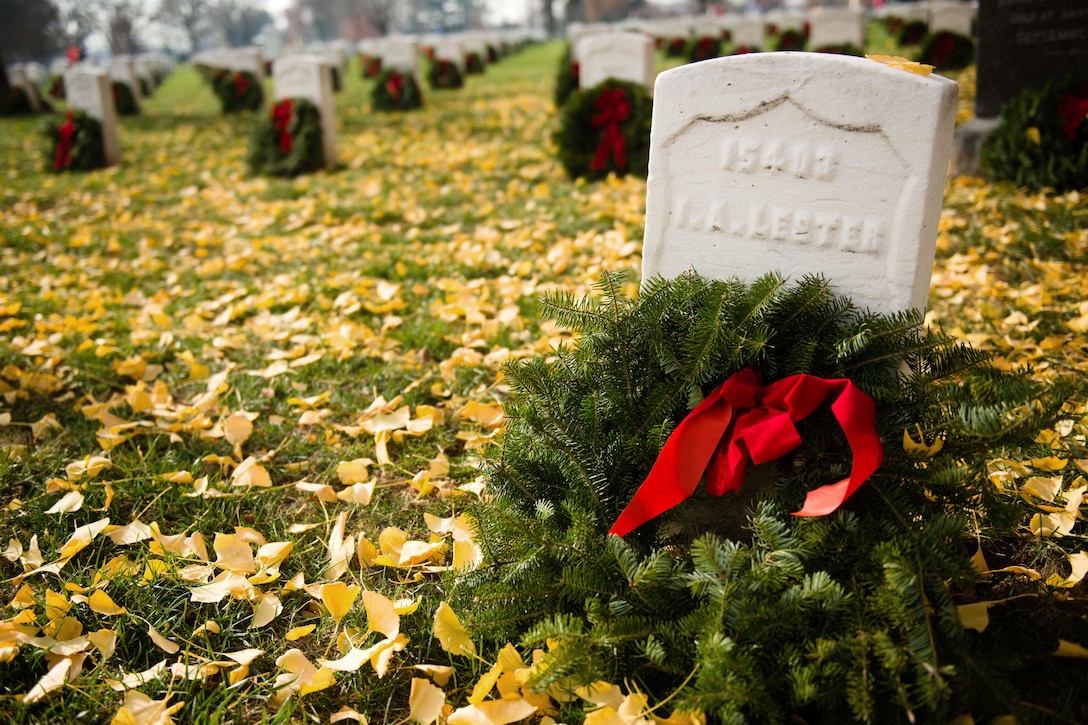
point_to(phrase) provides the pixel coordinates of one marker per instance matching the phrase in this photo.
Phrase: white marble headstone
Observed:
(623, 56)
(88, 89)
(17, 77)
(310, 77)
(247, 59)
(802, 163)
(401, 54)
(748, 32)
(451, 51)
(122, 71)
(576, 32)
(952, 17)
(836, 26)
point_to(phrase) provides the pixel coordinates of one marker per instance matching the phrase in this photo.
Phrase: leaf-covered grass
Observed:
(147, 311)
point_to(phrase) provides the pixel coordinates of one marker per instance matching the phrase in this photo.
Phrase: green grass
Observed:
(178, 257)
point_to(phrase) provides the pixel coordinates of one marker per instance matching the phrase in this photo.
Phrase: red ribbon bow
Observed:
(744, 420)
(241, 83)
(942, 48)
(1072, 110)
(395, 86)
(281, 120)
(66, 131)
(612, 110)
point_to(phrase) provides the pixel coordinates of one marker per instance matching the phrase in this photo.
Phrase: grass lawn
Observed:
(222, 394)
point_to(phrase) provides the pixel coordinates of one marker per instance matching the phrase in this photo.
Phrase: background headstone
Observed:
(89, 90)
(836, 26)
(804, 163)
(952, 17)
(17, 77)
(121, 71)
(623, 56)
(401, 54)
(450, 50)
(310, 77)
(1024, 43)
(749, 32)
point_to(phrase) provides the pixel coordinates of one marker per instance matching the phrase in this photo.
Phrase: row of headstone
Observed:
(952, 17)
(234, 59)
(20, 78)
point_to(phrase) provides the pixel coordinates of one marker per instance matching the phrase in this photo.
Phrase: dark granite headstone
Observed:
(1023, 43)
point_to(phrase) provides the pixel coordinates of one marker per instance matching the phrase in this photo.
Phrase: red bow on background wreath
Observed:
(613, 108)
(704, 48)
(394, 85)
(241, 83)
(65, 134)
(744, 420)
(1073, 110)
(942, 48)
(281, 121)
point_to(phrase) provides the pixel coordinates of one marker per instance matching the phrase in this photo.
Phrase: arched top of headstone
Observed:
(804, 163)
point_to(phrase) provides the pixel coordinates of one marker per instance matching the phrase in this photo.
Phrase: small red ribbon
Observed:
(612, 110)
(67, 130)
(395, 85)
(744, 420)
(281, 121)
(241, 83)
(704, 48)
(1073, 110)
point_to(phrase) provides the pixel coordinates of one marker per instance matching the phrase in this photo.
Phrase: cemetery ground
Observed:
(231, 404)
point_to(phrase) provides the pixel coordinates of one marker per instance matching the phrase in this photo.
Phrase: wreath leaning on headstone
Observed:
(913, 32)
(287, 141)
(238, 91)
(704, 47)
(396, 91)
(946, 50)
(741, 610)
(474, 63)
(444, 73)
(791, 39)
(842, 49)
(124, 102)
(1042, 138)
(605, 129)
(76, 144)
(371, 65)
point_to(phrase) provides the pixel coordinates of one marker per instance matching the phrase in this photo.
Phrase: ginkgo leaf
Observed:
(237, 429)
(299, 632)
(68, 503)
(101, 603)
(346, 713)
(449, 632)
(1071, 649)
(425, 702)
(233, 553)
(441, 674)
(251, 473)
(52, 680)
(89, 467)
(140, 709)
(105, 641)
(485, 684)
(267, 608)
(381, 615)
(492, 712)
(162, 642)
(354, 471)
(338, 598)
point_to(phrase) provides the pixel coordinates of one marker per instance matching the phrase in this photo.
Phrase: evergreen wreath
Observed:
(843, 49)
(54, 87)
(76, 144)
(791, 39)
(704, 47)
(676, 47)
(767, 617)
(605, 129)
(396, 91)
(913, 33)
(287, 141)
(444, 73)
(123, 99)
(372, 65)
(17, 103)
(238, 90)
(566, 78)
(474, 64)
(1042, 138)
(947, 51)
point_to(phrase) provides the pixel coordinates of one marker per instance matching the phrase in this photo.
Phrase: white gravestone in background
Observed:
(577, 32)
(951, 17)
(450, 51)
(836, 26)
(17, 77)
(121, 71)
(88, 89)
(802, 163)
(623, 56)
(401, 55)
(309, 77)
(748, 32)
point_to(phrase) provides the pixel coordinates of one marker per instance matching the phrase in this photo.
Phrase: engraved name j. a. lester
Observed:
(780, 222)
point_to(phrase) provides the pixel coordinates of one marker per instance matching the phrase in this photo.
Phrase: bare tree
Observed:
(76, 23)
(121, 21)
(28, 30)
(239, 20)
(192, 16)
